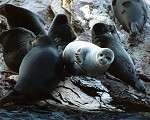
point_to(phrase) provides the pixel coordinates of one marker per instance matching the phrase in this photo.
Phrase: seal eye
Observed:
(79, 50)
(101, 55)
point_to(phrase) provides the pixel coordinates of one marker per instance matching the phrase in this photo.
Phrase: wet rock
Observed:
(80, 92)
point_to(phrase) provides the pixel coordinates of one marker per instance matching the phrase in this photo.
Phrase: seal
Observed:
(3, 24)
(85, 58)
(61, 32)
(106, 36)
(21, 17)
(39, 73)
(124, 11)
(16, 43)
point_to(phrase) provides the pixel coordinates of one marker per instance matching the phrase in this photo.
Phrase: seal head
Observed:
(15, 43)
(61, 32)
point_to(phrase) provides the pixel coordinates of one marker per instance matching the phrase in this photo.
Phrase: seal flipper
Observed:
(134, 33)
(79, 59)
(60, 45)
(12, 97)
(134, 30)
(138, 86)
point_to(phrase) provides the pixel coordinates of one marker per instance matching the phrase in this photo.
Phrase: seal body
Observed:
(61, 32)
(16, 44)
(122, 67)
(21, 17)
(131, 14)
(85, 58)
(39, 73)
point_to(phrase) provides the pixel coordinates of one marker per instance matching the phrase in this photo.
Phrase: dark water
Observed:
(40, 113)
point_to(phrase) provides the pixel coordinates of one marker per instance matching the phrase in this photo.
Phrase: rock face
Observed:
(81, 92)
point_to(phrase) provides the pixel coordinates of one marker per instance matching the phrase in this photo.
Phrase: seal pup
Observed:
(61, 32)
(39, 73)
(122, 67)
(85, 58)
(132, 15)
(15, 43)
(21, 17)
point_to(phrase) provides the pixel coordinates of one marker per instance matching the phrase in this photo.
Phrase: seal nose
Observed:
(103, 61)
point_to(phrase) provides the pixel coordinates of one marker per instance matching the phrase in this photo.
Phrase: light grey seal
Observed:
(85, 58)
(132, 15)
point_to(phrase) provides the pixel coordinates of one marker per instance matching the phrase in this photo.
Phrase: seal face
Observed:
(61, 32)
(39, 73)
(16, 44)
(85, 58)
(21, 17)
(122, 67)
(131, 14)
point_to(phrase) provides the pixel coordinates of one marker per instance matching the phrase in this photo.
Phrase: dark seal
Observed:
(16, 44)
(122, 67)
(61, 32)
(21, 17)
(132, 15)
(39, 73)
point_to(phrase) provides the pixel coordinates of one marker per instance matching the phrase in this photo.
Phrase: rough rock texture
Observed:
(81, 92)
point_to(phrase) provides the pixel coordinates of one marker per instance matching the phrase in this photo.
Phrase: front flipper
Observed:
(134, 34)
(79, 58)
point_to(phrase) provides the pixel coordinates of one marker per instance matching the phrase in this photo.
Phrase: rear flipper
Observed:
(12, 97)
(139, 87)
(134, 34)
